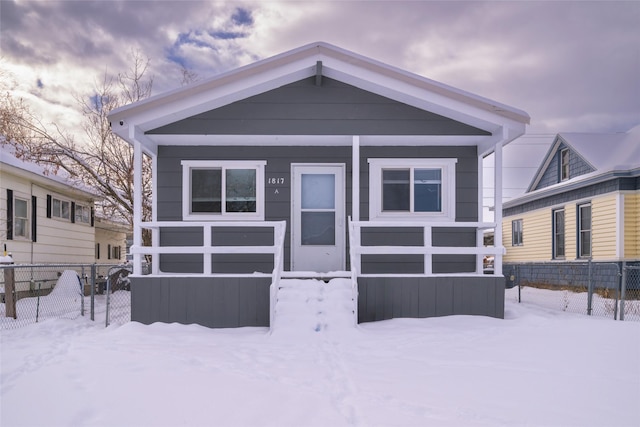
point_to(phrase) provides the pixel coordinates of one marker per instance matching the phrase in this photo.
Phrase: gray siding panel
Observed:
(228, 302)
(302, 108)
(279, 160)
(381, 298)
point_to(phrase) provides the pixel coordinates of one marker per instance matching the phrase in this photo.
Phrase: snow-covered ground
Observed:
(537, 367)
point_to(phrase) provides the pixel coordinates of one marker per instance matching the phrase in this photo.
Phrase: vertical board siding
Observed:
(228, 302)
(382, 298)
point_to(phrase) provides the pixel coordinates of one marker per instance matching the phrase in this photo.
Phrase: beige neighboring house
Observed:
(582, 205)
(111, 241)
(43, 217)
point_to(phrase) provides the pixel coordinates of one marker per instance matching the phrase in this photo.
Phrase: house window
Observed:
(564, 164)
(83, 214)
(223, 190)
(558, 233)
(61, 209)
(115, 252)
(584, 230)
(412, 188)
(20, 218)
(516, 233)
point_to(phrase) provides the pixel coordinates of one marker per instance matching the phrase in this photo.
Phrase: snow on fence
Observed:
(596, 289)
(33, 293)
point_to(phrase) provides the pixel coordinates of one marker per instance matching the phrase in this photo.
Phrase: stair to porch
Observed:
(310, 305)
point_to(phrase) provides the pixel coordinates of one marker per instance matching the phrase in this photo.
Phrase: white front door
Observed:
(317, 218)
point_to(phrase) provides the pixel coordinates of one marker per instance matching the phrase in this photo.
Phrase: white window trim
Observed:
(580, 230)
(27, 199)
(187, 165)
(517, 231)
(448, 167)
(563, 152)
(61, 200)
(82, 207)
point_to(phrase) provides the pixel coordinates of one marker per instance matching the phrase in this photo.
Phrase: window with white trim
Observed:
(584, 230)
(20, 218)
(558, 233)
(412, 189)
(517, 233)
(61, 209)
(223, 190)
(564, 164)
(83, 214)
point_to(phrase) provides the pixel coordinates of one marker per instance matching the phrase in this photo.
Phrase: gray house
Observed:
(316, 163)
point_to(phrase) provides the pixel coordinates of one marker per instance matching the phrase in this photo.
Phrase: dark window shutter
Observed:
(49, 203)
(108, 251)
(73, 211)
(9, 214)
(34, 216)
(93, 217)
(97, 250)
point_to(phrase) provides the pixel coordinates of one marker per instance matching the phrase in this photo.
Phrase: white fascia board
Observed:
(318, 140)
(215, 97)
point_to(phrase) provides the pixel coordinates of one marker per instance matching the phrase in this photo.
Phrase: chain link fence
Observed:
(593, 288)
(33, 293)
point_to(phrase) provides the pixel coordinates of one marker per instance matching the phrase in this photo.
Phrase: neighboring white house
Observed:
(43, 217)
(111, 241)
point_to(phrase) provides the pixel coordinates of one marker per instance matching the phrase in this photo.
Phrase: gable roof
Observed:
(39, 174)
(608, 154)
(132, 122)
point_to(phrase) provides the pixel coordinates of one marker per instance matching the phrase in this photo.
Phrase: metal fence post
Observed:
(93, 291)
(623, 286)
(590, 289)
(106, 316)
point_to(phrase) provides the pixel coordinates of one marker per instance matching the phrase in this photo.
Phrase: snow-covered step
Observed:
(314, 305)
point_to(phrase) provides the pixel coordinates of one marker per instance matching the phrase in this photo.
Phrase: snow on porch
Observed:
(310, 305)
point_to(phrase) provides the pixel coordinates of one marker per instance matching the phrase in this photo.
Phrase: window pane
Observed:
(20, 208)
(396, 190)
(206, 190)
(56, 208)
(65, 210)
(20, 228)
(318, 191)
(585, 217)
(558, 223)
(318, 228)
(240, 192)
(585, 243)
(427, 190)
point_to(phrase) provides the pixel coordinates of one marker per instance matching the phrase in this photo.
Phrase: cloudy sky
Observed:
(572, 65)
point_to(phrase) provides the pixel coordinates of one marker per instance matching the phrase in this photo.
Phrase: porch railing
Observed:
(207, 249)
(426, 249)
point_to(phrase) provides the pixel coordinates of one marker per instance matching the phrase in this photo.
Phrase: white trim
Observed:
(188, 165)
(448, 167)
(137, 202)
(355, 179)
(340, 209)
(497, 203)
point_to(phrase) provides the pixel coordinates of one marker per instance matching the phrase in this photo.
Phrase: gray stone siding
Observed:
(566, 274)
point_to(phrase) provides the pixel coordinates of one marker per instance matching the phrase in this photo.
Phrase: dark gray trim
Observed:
(568, 195)
(216, 302)
(34, 218)
(382, 298)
